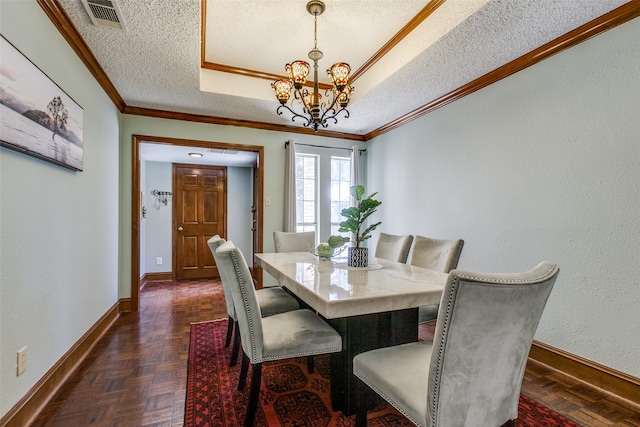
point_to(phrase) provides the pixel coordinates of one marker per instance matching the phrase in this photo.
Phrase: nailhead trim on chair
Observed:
(445, 323)
(447, 315)
(236, 265)
(484, 279)
(388, 399)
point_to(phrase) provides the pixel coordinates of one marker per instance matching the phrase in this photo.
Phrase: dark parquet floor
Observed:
(136, 375)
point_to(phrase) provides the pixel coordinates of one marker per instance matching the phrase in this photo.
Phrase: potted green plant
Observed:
(356, 216)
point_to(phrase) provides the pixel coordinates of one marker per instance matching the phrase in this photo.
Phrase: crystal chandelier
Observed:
(315, 111)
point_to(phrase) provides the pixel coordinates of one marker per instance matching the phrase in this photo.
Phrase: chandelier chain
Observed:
(315, 31)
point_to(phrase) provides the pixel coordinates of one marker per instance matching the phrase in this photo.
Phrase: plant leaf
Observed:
(349, 225)
(357, 191)
(369, 229)
(337, 241)
(352, 212)
(368, 204)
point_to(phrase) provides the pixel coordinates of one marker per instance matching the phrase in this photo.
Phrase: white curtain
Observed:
(290, 187)
(355, 169)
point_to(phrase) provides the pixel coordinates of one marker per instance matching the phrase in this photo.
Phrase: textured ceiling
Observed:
(156, 62)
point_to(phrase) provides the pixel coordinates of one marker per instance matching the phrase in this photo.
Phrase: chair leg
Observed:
(310, 364)
(236, 345)
(244, 368)
(361, 419)
(231, 323)
(254, 394)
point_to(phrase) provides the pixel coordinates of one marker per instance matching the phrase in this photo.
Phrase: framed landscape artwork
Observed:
(37, 117)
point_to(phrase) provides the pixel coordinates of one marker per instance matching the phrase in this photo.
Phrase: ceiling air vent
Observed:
(222, 151)
(104, 13)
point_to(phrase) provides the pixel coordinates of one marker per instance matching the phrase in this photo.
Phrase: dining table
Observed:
(371, 307)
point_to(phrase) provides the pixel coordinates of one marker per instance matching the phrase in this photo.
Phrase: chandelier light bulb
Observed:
(282, 89)
(339, 74)
(307, 98)
(343, 97)
(298, 72)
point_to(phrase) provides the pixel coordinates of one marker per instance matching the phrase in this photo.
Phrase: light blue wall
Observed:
(59, 228)
(239, 200)
(159, 223)
(544, 164)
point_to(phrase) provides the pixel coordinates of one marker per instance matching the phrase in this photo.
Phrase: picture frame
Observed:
(37, 117)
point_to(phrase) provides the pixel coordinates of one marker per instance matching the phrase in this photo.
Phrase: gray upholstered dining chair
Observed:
(393, 248)
(271, 300)
(294, 242)
(435, 254)
(301, 241)
(471, 373)
(282, 336)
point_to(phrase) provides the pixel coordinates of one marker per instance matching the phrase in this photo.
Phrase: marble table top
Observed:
(335, 290)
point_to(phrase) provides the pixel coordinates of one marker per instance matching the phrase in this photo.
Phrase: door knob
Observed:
(180, 228)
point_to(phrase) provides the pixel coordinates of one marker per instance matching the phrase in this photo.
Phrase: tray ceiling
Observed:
(170, 54)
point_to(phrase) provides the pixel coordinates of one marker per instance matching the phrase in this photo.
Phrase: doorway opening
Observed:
(136, 211)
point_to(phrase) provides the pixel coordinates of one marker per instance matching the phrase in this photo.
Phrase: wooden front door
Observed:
(200, 212)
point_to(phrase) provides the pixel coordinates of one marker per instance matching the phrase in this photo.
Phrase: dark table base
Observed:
(360, 334)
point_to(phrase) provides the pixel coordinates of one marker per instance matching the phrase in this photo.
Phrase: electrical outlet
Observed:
(267, 201)
(159, 260)
(22, 360)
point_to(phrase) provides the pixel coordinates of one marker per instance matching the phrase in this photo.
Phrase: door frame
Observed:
(136, 140)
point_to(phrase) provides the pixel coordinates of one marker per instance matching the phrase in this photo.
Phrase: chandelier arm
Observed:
(330, 111)
(328, 96)
(333, 116)
(294, 115)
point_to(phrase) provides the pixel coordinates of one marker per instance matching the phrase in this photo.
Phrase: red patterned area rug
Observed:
(289, 395)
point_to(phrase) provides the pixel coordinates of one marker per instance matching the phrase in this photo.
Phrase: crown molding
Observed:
(253, 73)
(61, 20)
(621, 15)
(404, 31)
(171, 115)
(616, 17)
